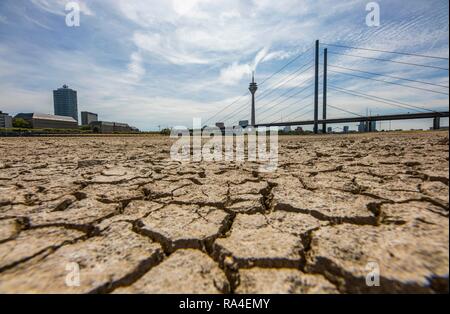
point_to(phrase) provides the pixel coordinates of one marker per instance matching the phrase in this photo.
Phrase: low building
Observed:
(5, 120)
(102, 127)
(111, 127)
(122, 127)
(134, 129)
(88, 117)
(48, 121)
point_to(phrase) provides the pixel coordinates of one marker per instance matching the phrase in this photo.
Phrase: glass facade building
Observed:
(65, 102)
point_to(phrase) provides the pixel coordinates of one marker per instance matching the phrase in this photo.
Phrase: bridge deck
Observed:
(409, 116)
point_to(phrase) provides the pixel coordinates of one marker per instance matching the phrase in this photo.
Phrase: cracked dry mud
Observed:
(135, 221)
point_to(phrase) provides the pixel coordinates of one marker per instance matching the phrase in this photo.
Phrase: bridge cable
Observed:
(287, 64)
(389, 76)
(296, 103)
(386, 51)
(303, 114)
(379, 99)
(273, 88)
(298, 110)
(344, 110)
(387, 82)
(387, 60)
(285, 93)
(287, 98)
(234, 102)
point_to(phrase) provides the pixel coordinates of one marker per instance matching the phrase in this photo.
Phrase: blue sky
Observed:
(160, 63)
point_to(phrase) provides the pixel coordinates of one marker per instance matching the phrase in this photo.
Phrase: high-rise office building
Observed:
(65, 102)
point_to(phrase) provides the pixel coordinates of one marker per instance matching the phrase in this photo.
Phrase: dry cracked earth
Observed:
(136, 222)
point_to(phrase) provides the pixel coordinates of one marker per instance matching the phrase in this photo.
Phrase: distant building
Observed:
(367, 126)
(111, 127)
(243, 123)
(299, 129)
(48, 121)
(134, 129)
(287, 129)
(88, 117)
(65, 102)
(346, 128)
(5, 120)
(362, 127)
(329, 129)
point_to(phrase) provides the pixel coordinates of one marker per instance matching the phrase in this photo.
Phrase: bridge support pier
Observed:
(436, 123)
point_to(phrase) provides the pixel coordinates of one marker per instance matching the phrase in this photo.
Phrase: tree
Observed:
(85, 128)
(165, 131)
(21, 123)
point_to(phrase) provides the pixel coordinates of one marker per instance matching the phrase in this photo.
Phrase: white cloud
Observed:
(58, 6)
(277, 55)
(232, 74)
(205, 32)
(163, 48)
(135, 67)
(24, 100)
(36, 22)
(260, 57)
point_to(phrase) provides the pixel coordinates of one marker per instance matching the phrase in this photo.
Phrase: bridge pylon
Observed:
(316, 90)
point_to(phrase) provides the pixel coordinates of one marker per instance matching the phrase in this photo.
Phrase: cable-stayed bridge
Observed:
(304, 90)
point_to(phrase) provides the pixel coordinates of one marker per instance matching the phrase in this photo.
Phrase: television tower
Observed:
(253, 88)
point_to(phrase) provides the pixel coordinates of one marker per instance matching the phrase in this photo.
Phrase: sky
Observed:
(155, 64)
